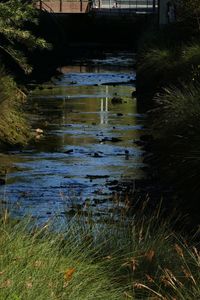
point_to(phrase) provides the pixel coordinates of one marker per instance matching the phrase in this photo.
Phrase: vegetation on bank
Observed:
(13, 126)
(16, 41)
(169, 81)
(127, 259)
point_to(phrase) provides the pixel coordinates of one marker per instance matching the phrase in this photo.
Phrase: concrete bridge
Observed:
(109, 7)
(164, 9)
(100, 22)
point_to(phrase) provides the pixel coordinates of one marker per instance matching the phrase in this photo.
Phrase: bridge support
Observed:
(154, 6)
(167, 12)
(163, 18)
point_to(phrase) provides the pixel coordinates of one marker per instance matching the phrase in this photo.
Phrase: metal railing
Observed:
(148, 6)
(44, 6)
(64, 6)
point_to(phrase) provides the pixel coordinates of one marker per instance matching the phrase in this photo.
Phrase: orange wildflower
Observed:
(138, 285)
(179, 250)
(149, 278)
(150, 255)
(69, 273)
(133, 264)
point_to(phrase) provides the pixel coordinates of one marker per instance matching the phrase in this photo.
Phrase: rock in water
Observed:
(134, 94)
(2, 181)
(115, 139)
(69, 151)
(116, 100)
(39, 131)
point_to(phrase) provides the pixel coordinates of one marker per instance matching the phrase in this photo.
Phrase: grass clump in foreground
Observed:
(125, 260)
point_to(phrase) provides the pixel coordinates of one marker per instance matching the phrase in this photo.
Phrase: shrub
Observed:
(156, 68)
(191, 59)
(13, 127)
(175, 125)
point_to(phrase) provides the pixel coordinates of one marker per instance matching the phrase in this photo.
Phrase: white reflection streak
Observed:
(104, 113)
(63, 120)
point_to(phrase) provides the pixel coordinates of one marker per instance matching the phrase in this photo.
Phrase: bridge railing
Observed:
(139, 6)
(64, 6)
(44, 6)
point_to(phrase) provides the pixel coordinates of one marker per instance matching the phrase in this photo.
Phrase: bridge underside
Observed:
(98, 26)
(120, 12)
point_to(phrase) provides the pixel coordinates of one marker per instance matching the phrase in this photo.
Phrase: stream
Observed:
(85, 122)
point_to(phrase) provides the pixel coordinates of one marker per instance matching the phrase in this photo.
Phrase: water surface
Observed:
(87, 146)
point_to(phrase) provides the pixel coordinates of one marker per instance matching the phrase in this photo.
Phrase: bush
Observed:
(167, 56)
(156, 67)
(175, 125)
(191, 59)
(177, 112)
(13, 127)
(170, 60)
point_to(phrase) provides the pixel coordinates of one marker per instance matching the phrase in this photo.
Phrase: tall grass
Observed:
(139, 259)
(177, 111)
(166, 59)
(156, 67)
(191, 54)
(160, 66)
(175, 126)
(39, 265)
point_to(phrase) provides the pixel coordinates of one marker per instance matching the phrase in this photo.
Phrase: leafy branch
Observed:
(14, 15)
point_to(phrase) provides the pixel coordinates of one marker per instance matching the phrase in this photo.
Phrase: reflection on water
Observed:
(87, 142)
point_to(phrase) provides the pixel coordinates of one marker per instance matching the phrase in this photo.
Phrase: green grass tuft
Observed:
(140, 259)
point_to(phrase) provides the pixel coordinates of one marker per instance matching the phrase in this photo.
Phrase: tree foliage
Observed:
(14, 35)
(189, 10)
